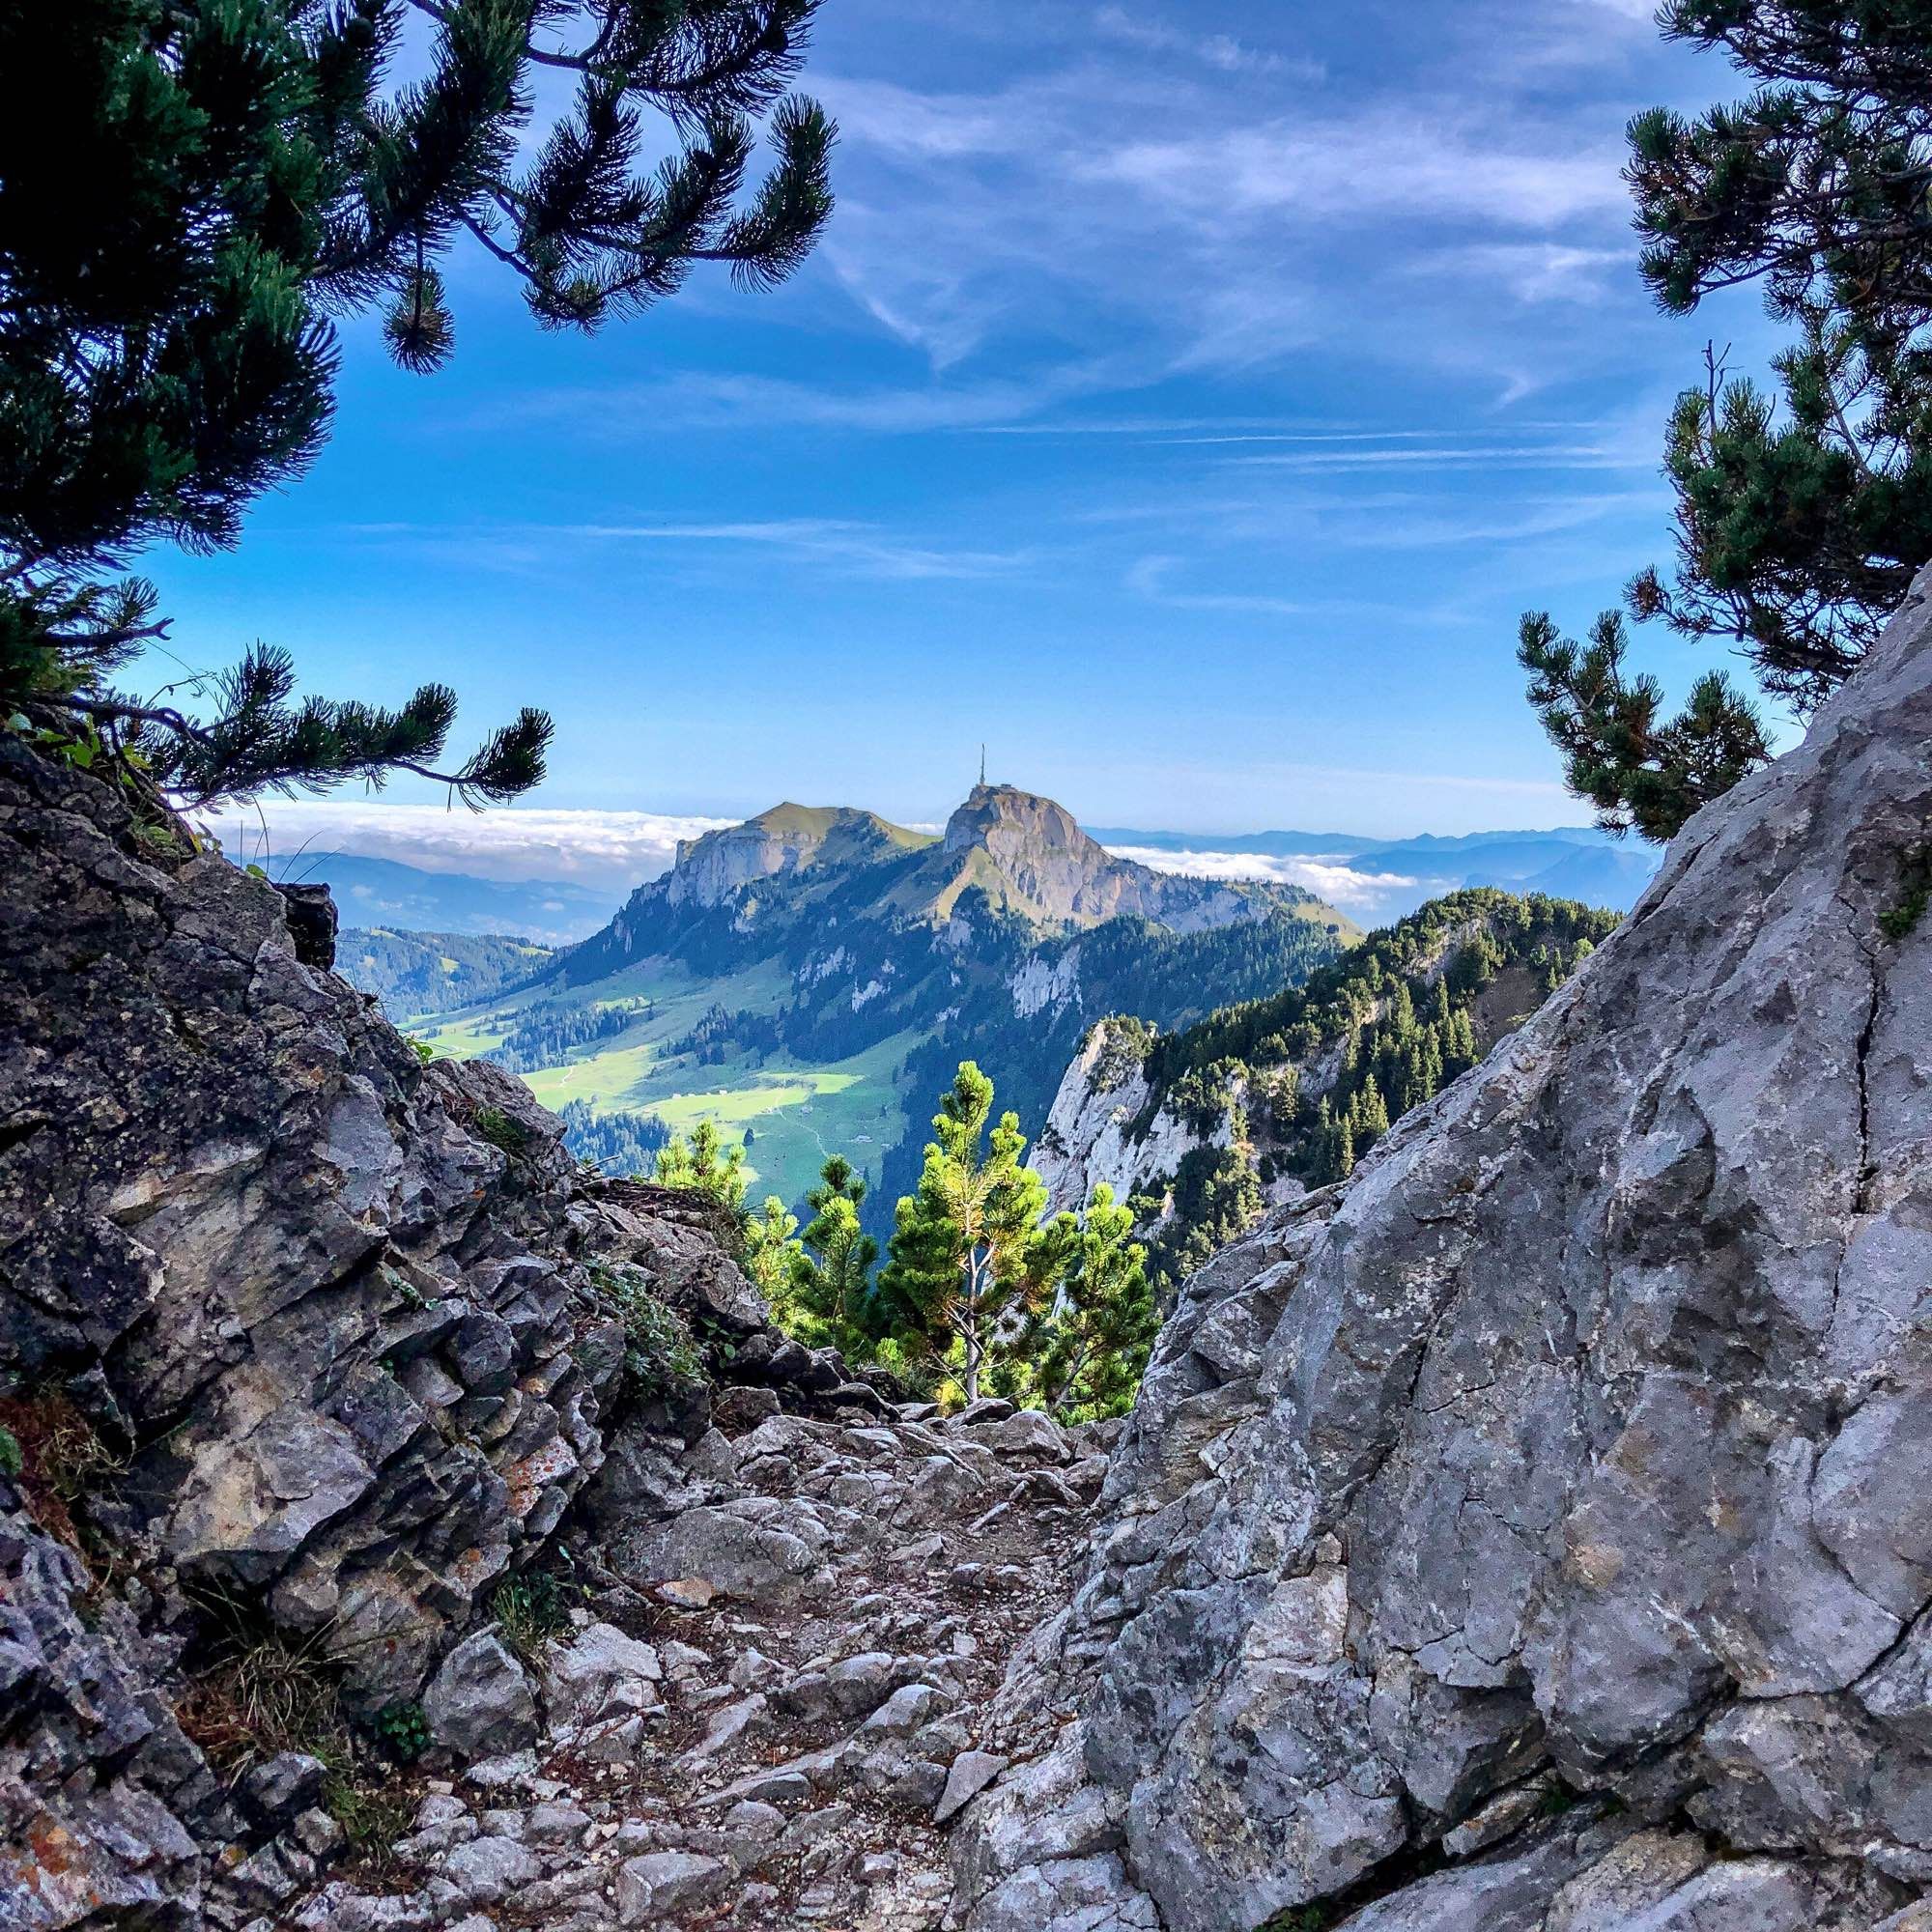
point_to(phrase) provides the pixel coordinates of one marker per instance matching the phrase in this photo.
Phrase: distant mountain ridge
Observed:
(1005, 854)
(384, 892)
(1341, 844)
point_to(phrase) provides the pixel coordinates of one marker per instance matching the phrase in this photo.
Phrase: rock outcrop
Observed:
(1531, 1533)
(1108, 1128)
(300, 1338)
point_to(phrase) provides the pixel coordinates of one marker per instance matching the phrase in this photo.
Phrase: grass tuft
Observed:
(530, 1610)
(58, 1457)
(496, 1127)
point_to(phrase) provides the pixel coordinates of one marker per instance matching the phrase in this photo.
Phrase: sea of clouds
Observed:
(608, 851)
(1346, 887)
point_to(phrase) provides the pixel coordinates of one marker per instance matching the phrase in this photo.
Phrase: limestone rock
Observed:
(479, 1702)
(601, 1673)
(1583, 1431)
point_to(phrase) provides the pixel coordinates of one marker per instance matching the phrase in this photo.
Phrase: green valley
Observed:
(806, 982)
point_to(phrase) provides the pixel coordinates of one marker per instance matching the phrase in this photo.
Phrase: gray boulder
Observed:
(600, 1674)
(1584, 1431)
(479, 1702)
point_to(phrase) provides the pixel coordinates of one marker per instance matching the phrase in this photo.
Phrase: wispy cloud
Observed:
(1149, 577)
(1222, 52)
(974, 214)
(847, 547)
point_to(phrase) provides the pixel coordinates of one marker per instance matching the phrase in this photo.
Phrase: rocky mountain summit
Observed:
(1029, 857)
(802, 871)
(1531, 1533)
(779, 844)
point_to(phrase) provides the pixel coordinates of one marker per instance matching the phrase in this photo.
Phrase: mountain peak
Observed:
(993, 809)
(785, 839)
(1027, 854)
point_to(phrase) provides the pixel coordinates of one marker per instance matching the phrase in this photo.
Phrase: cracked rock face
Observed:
(1555, 1494)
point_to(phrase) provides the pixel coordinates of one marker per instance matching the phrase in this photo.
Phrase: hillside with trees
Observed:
(1202, 1127)
(417, 974)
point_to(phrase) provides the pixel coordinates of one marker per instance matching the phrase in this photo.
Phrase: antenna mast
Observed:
(982, 764)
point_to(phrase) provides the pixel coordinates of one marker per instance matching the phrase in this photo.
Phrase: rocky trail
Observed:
(772, 1697)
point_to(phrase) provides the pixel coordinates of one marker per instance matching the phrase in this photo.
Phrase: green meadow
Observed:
(789, 1114)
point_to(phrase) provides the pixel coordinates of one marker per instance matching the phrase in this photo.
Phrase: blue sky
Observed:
(1187, 400)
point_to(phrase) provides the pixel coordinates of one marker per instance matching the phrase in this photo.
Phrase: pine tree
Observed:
(232, 174)
(771, 1258)
(1798, 529)
(704, 1165)
(969, 1263)
(1643, 771)
(830, 1274)
(1086, 1355)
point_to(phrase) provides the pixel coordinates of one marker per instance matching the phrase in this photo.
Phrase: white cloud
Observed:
(1532, 272)
(1347, 887)
(607, 850)
(849, 548)
(1398, 163)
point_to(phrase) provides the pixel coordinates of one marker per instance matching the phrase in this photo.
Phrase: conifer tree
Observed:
(830, 1272)
(771, 1258)
(1798, 527)
(969, 1263)
(704, 1165)
(232, 174)
(1086, 1355)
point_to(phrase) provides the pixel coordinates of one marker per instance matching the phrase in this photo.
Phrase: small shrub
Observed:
(1900, 919)
(372, 1816)
(404, 1731)
(1316, 1916)
(530, 1610)
(661, 1354)
(423, 1050)
(496, 1127)
(57, 1456)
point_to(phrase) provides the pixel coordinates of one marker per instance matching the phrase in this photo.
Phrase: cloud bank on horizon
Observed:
(1350, 889)
(611, 851)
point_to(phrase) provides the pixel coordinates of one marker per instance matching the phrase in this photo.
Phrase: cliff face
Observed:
(1531, 1532)
(1100, 1131)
